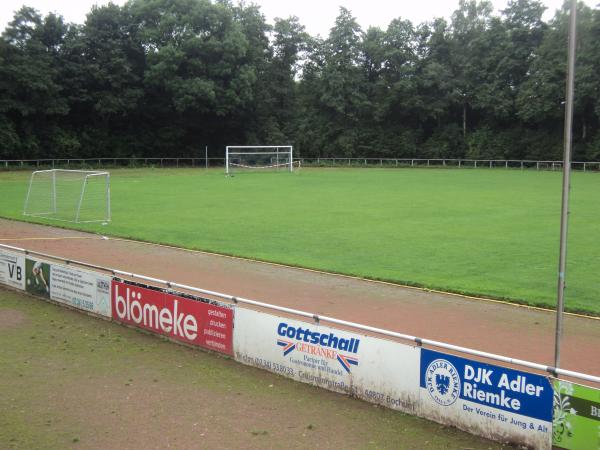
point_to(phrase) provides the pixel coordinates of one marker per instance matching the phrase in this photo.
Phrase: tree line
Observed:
(167, 77)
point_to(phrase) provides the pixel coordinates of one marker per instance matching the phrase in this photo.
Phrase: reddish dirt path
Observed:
(493, 327)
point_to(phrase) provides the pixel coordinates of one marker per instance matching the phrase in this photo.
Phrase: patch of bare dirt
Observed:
(11, 318)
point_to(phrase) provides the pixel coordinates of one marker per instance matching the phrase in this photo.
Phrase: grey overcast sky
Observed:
(317, 16)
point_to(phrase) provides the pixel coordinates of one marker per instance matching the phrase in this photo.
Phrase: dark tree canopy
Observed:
(167, 77)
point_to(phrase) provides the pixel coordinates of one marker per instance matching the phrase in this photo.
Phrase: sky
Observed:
(317, 16)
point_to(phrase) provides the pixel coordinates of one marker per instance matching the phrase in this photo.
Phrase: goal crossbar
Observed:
(87, 172)
(260, 146)
(257, 153)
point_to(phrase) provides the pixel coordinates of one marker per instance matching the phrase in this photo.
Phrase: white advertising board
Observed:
(376, 370)
(80, 289)
(12, 269)
(495, 402)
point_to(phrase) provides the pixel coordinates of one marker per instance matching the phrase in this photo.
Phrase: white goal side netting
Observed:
(260, 158)
(69, 195)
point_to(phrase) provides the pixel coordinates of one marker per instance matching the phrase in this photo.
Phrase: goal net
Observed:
(259, 158)
(69, 195)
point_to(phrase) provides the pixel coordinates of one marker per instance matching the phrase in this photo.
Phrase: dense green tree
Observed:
(279, 102)
(166, 77)
(342, 93)
(31, 95)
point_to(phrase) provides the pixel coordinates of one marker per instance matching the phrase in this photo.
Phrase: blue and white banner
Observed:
(488, 400)
(376, 370)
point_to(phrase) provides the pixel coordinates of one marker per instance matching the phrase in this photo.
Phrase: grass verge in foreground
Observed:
(487, 232)
(70, 380)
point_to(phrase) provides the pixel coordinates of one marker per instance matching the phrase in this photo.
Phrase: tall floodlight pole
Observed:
(566, 186)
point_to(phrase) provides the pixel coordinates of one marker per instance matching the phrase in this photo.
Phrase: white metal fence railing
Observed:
(450, 162)
(109, 162)
(554, 371)
(15, 164)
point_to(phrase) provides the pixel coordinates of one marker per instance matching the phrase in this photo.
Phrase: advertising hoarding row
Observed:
(491, 401)
(187, 318)
(63, 283)
(499, 403)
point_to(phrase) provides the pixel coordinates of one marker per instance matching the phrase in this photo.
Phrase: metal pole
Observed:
(566, 186)
(81, 199)
(206, 156)
(54, 191)
(108, 217)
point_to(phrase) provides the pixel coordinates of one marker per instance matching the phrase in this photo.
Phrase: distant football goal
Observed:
(259, 158)
(69, 195)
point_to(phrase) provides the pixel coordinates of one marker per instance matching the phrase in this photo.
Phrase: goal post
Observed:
(78, 196)
(259, 157)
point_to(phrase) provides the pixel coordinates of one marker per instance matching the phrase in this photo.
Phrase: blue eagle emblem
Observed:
(442, 383)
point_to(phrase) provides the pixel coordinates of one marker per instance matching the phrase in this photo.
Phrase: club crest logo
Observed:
(442, 382)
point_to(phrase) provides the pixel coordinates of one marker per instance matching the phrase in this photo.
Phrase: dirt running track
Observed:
(483, 325)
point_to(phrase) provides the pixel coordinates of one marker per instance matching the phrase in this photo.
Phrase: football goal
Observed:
(259, 158)
(69, 195)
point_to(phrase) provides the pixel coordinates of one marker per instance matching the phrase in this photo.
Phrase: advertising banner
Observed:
(487, 400)
(376, 370)
(193, 320)
(37, 277)
(12, 269)
(576, 424)
(80, 288)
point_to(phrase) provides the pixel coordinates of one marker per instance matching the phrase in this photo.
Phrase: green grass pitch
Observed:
(488, 232)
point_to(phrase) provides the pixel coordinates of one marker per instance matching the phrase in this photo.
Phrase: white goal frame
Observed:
(86, 175)
(275, 150)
